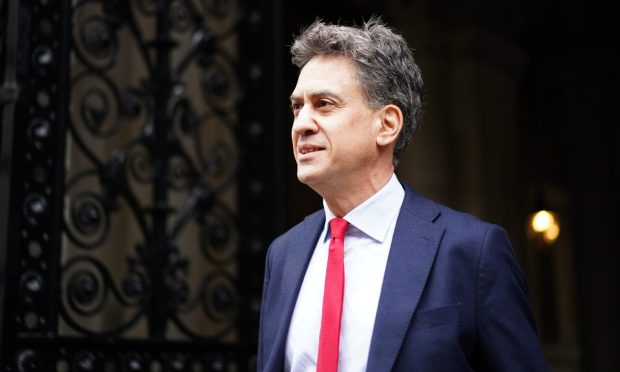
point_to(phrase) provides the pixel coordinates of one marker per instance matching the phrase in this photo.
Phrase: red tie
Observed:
(329, 340)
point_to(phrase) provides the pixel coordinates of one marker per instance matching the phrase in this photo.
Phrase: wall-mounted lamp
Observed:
(544, 226)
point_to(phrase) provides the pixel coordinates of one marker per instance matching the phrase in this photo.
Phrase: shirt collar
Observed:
(375, 215)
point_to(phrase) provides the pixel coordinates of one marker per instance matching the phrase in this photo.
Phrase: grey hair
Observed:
(385, 65)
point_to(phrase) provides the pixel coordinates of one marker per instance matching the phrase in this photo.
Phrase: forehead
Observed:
(327, 73)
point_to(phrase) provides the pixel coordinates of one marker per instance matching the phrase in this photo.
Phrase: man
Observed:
(395, 282)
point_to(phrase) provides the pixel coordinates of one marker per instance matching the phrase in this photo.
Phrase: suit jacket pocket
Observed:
(437, 316)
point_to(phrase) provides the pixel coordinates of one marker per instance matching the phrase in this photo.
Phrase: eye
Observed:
(323, 103)
(296, 107)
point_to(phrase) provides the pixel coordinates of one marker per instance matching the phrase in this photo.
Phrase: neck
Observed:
(344, 197)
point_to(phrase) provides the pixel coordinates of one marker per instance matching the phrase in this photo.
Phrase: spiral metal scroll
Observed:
(161, 157)
(90, 288)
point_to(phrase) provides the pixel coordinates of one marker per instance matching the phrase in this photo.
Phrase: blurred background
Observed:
(146, 166)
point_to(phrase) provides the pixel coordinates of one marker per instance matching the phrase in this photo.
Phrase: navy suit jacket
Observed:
(453, 296)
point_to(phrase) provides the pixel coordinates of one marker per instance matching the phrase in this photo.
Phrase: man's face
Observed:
(334, 130)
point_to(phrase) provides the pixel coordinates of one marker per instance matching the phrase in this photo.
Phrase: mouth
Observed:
(307, 149)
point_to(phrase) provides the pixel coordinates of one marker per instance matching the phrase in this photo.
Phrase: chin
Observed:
(305, 179)
(308, 178)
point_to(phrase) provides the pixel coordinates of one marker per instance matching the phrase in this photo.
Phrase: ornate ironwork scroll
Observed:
(139, 185)
(154, 93)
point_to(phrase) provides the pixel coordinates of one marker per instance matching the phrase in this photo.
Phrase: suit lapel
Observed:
(411, 257)
(294, 268)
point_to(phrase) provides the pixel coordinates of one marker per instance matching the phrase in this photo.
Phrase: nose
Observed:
(304, 124)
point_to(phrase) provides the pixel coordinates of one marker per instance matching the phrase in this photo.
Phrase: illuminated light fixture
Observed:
(544, 225)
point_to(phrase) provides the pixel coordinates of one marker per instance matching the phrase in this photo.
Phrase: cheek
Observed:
(293, 141)
(360, 137)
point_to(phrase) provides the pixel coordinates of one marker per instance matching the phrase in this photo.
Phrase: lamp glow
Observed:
(551, 234)
(542, 221)
(544, 225)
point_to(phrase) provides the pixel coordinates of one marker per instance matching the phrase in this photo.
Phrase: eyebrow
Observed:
(319, 93)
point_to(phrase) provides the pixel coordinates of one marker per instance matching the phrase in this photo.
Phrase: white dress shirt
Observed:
(366, 248)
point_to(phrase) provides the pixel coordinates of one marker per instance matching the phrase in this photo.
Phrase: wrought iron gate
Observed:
(137, 164)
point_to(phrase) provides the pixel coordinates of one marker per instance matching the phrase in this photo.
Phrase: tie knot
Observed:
(338, 226)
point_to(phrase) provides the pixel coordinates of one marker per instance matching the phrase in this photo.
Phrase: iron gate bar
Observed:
(10, 93)
(157, 314)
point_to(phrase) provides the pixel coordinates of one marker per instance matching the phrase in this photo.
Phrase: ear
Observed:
(391, 123)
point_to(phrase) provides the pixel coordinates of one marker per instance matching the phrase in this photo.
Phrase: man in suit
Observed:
(382, 279)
